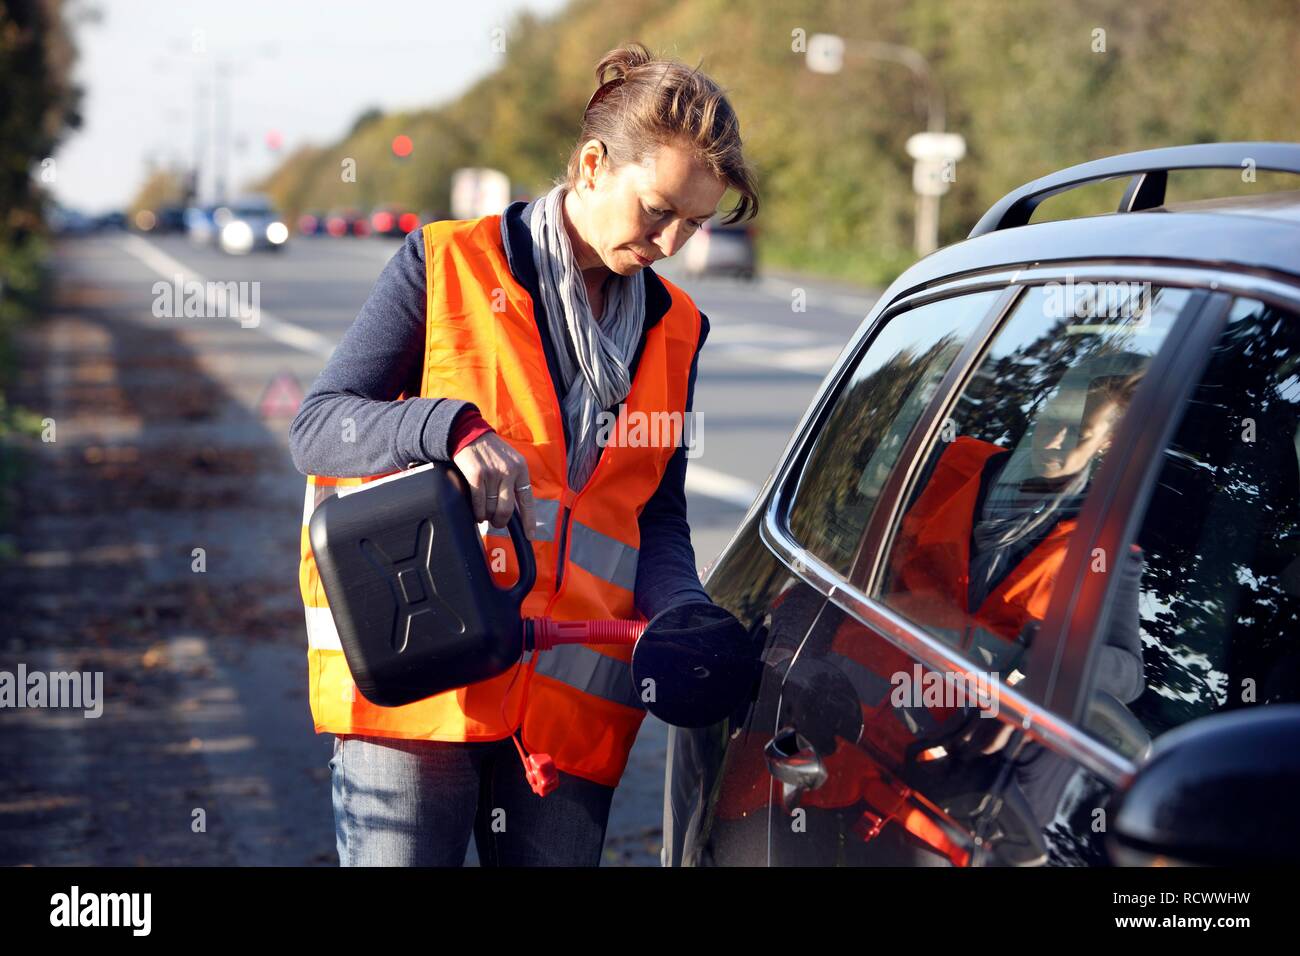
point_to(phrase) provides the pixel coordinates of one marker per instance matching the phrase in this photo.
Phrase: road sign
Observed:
(282, 397)
(825, 53)
(939, 147)
(478, 192)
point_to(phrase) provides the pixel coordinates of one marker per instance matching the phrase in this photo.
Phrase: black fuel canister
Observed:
(413, 599)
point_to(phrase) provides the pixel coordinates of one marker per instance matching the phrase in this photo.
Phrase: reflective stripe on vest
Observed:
(545, 511)
(591, 672)
(321, 632)
(607, 558)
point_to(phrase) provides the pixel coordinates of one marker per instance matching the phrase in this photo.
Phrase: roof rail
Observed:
(1150, 171)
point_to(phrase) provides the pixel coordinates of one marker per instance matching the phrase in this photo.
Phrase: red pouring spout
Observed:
(542, 633)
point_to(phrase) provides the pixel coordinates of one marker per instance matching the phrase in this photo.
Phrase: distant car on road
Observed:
(69, 222)
(393, 221)
(1024, 587)
(347, 222)
(311, 224)
(112, 221)
(165, 219)
(718, 249)
(248, 225)
(199, 224)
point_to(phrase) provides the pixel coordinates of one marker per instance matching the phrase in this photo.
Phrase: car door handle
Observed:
(792, 760)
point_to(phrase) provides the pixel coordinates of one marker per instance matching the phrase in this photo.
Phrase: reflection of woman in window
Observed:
(980, 549)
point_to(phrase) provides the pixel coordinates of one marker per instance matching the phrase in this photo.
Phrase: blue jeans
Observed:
(416, 802)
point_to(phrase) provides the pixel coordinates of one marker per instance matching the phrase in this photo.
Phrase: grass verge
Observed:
(23, 290)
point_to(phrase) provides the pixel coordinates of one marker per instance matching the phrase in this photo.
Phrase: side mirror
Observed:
(1220, 791)
(693, 665)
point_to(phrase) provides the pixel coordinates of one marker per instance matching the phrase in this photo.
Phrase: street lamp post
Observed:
(167, 63)
(213, 108)
(935, 152)
(224, 69)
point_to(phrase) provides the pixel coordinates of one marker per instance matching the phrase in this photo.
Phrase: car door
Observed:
(903, 709)
(715, 790)
(718, 787)
(1205, 517)
(827, 494)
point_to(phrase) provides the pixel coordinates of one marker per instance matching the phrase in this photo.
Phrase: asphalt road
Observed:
(231, 687)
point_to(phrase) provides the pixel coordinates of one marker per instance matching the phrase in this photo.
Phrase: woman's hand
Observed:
(498, 480)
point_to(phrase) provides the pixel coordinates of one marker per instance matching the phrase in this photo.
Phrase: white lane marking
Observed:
(295, 336)
(719, 485)
(287, 333)
(815, 361)
(757, 333)
(818, 360)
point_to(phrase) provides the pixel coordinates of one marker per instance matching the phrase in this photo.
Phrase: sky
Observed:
(304, 70)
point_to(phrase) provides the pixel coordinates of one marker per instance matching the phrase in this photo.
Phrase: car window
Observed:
(1212, 602)
(861, 438)
(988, 520)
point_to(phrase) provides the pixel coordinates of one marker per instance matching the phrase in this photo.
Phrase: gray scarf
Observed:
(593, 357)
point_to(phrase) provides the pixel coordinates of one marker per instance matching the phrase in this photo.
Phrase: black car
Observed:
(113, 221)
(170, 219)
(1030, 564)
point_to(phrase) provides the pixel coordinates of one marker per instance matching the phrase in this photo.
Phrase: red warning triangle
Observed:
(282, 397)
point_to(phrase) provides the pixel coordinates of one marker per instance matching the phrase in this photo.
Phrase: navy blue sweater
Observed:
(381, 355)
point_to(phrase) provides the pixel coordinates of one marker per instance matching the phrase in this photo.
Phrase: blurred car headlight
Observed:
(276, 233)
(237, 236)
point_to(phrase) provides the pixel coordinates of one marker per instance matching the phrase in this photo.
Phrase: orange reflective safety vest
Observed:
(482, 345)
(930, 571)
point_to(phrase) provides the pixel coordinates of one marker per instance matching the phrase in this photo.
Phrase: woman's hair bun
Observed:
(622, 61)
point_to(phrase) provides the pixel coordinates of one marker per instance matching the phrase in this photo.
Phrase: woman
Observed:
(518, 334)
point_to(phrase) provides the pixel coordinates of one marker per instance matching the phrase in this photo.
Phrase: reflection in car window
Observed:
(872, 416)
(1219, 599)
(991, 515)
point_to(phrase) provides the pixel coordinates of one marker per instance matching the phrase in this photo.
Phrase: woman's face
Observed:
(1065, 439)
(628, 217)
